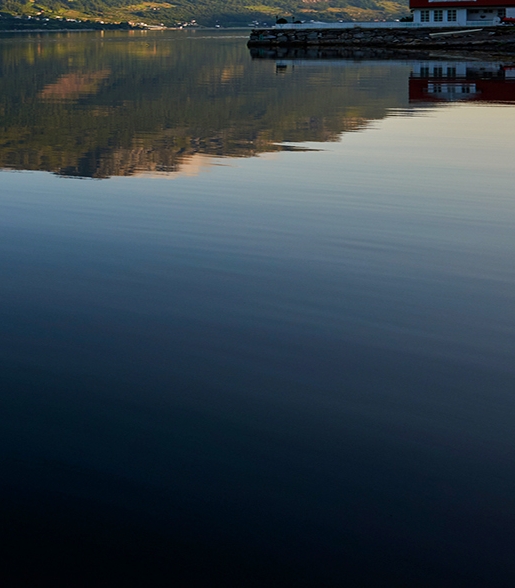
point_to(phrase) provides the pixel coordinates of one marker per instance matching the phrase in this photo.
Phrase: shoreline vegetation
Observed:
(21, 15)
(38, 24)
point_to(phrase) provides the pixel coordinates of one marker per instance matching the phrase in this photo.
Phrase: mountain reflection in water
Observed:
(296, 370)
(97, 105)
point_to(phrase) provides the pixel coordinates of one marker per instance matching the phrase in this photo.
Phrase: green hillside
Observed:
(190, 12)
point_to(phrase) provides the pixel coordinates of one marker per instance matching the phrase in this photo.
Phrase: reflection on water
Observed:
(450, 81)
(431, 78)
(74, 85)
(100, 105)
(97, 105)
(294, 370)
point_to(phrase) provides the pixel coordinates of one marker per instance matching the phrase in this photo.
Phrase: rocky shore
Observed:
(499, 38)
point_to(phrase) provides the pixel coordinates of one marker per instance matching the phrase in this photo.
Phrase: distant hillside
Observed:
(192, 12)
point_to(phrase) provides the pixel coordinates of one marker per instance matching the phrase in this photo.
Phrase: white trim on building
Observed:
(460, 17)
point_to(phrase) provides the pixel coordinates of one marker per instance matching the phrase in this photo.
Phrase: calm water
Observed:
(271, 342)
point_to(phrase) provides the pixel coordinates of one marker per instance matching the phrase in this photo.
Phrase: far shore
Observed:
(28, 31)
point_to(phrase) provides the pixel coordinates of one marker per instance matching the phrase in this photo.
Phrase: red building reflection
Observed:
(440, 81)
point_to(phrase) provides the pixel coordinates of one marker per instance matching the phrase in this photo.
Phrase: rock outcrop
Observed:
(499, 38)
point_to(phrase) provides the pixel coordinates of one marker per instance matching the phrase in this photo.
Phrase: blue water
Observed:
(292, 369)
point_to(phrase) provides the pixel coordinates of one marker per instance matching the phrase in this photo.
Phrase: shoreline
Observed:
(135, 29)
(496, 38)
(18, 31)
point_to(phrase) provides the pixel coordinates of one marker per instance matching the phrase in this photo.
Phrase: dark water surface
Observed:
(294, 369)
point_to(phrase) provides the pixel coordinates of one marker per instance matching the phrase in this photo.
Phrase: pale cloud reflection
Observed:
(74, 85)
(191, 166)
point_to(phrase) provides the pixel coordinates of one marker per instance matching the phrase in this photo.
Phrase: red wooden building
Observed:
(459, 13)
